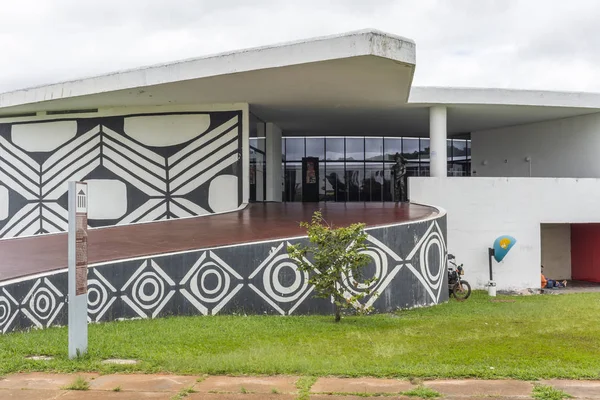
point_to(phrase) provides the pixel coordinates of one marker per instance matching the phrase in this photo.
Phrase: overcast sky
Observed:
(531, 44)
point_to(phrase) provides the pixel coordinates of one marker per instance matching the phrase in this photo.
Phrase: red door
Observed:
(585, 252)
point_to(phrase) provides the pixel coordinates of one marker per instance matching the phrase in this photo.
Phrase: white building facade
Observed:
(211, 134)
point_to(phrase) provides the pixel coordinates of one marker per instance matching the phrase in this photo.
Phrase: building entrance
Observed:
(358, 169)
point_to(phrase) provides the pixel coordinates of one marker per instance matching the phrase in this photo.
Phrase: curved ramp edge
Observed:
(408, 258)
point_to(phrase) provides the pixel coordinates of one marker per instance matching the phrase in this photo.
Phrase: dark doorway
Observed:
(310, 179)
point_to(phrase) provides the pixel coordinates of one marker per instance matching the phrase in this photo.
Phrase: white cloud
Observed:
(503, 43)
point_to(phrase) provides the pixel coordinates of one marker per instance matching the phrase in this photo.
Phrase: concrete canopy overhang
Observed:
(332, 82)
(469, 110)
(475, 109)
(358, 83)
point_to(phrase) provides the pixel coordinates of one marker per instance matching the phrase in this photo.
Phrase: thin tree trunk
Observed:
(337, 312)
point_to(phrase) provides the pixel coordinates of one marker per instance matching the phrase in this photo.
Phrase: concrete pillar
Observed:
(273, 151)
(437, 142)
(259, 173)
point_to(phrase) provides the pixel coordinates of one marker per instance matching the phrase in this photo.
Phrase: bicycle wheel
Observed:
(461, 291)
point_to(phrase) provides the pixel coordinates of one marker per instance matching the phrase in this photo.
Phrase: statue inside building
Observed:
(400, 179)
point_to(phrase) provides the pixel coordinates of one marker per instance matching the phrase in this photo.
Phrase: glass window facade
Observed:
(355, 149)
(459, 157)
(373, 149)
(359, 168)
(315, 147)
(294, 149)
(334, 149)
(392, 146)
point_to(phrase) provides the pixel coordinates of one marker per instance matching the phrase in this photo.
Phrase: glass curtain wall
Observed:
(359, 168)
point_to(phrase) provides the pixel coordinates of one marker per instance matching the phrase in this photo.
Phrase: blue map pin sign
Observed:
(502, 245)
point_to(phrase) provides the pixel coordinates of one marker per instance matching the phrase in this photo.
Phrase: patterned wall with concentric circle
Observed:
(408, 262)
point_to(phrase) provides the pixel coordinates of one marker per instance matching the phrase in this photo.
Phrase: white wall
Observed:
(481, 209)
(556, 250)
(566, 148)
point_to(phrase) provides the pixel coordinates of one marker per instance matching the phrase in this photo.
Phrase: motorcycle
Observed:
(457, 287)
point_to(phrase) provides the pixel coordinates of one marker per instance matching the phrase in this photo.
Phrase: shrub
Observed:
(337, 254)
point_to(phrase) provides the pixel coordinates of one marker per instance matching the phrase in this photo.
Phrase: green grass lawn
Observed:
(532, 337)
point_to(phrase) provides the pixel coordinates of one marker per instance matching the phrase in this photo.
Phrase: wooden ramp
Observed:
(21, 257)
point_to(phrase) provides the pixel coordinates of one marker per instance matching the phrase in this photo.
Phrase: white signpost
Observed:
(78, 260)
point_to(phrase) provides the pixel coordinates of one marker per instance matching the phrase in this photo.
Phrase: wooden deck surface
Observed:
(262, 221)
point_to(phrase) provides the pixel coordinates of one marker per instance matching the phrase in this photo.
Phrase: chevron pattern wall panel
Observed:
(409, 262)
(139, 168)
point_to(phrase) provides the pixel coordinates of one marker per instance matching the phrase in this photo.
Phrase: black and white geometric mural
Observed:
(138, 168)
(409, 262)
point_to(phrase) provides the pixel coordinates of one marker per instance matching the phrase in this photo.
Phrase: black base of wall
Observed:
(409, 261)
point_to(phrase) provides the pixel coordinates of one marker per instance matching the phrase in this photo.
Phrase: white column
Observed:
(246, 154)
(274, 181)
(437, 142)
(259, 173)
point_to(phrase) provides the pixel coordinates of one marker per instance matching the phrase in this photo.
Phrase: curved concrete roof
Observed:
(357, 83)
(317, 50)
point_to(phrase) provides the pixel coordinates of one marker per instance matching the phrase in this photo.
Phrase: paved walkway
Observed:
(38, 386)
(575, 287)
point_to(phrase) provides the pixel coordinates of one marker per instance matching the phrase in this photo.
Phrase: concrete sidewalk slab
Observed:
(42, 381)
(474, 387)
(252, 384)
(579, 389)
(40, 386)
(102, 395)
(236, 396)
(335, 397)
(20, 394)
(360, 385)
(483, 398)
(143, 383)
